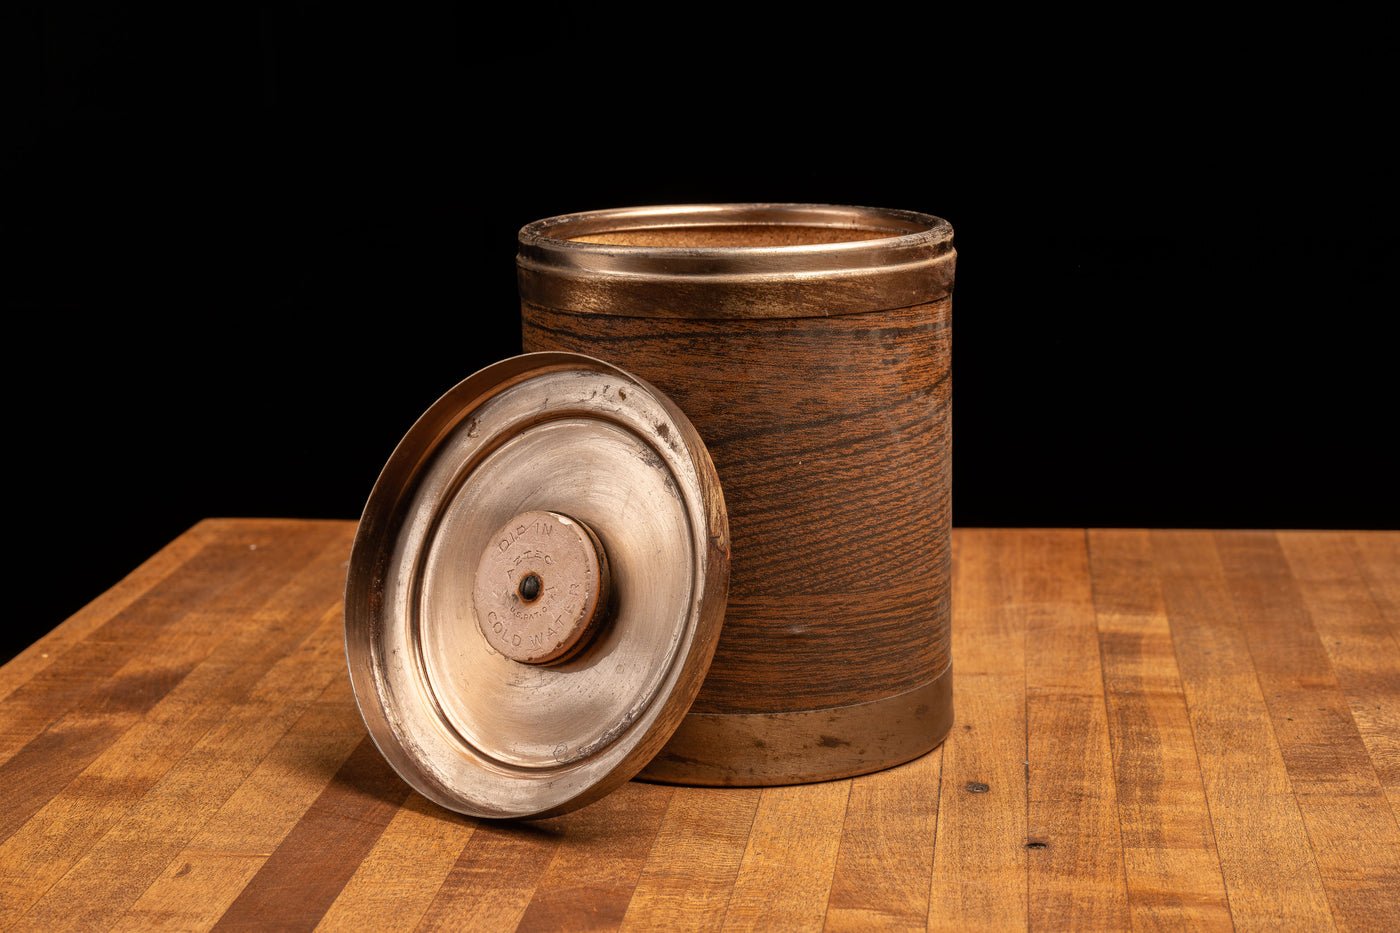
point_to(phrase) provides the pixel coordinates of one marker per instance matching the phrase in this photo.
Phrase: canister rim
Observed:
(792, 268)
(893, 232)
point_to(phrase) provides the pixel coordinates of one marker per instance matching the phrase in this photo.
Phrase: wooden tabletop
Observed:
(1154, 729)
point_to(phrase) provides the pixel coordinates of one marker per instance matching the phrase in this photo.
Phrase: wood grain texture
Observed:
(886, 852)
(1072, 825)
(1350, 825)
(839, 576)
(592, 876)
(1376, 557)
(980, 862)
(1172, 869)
(691, 867)
(200, 883)
(397, 879)
(785, 877)
(494, 878)
(94, 675)
(1197, 726)
(25, 667)
(157, 737)
(302, 878)
(1357, 627)
(1266, 861)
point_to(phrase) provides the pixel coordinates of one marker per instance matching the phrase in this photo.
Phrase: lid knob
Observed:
(542, 588)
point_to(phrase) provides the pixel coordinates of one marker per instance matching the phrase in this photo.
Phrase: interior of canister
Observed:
(734, 236)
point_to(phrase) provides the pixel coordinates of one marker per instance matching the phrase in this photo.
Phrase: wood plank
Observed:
(980, 862)
(97, 631)
(1076, 857)
(27, 665)
(604, 847)
(242, 789)
(398, 879)
(1173, 871)
(1123, 697)
(301, 879)
(137, 778)
(88, 679)
(1270, 877)
(494, 879)
(576, 871)
(207, 875)
(1377, 558)
(1350, 825)
(785, 877)
(885, 859)
(108, 669)
(692, 866)
(1361, 644)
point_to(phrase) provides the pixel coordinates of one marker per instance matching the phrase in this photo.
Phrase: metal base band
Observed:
(760, 749)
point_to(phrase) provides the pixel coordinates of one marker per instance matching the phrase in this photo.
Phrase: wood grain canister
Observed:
(810, 346)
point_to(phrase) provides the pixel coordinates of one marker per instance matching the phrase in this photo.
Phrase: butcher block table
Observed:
(1154, 729)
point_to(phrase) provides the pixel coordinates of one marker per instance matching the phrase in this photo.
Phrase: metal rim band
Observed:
(758, 749)
(906, 260)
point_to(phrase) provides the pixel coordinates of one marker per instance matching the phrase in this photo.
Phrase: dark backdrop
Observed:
(248, 245)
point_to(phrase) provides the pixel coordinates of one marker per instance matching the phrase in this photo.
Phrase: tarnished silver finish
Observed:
(468, 726)
(807, 745)
(736, 260)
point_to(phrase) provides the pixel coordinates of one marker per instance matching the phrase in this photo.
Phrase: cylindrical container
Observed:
(810, 347)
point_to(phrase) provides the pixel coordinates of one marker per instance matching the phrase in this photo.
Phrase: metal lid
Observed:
(536, 587)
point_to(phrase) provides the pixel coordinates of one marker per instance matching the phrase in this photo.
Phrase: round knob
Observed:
(542, 588)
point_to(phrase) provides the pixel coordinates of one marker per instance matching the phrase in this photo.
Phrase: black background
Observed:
(247, 245)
